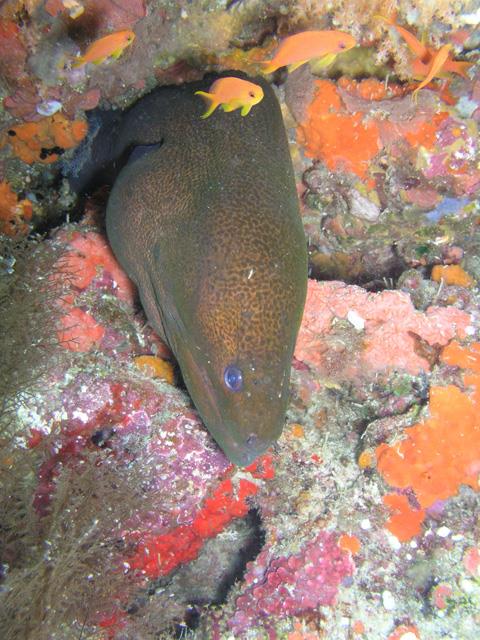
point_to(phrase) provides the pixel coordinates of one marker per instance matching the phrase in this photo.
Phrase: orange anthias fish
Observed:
(425, 54)
(303, 47)
(418, 48)
(232, 93)
(435, 67)
(460, 67)
(110, 46)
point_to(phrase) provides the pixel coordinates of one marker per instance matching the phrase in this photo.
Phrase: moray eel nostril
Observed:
(204, 218)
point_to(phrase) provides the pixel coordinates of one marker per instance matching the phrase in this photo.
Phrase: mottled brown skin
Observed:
(207, 225)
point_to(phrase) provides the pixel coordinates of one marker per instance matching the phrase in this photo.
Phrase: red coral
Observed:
(262, 468)
(158, 555)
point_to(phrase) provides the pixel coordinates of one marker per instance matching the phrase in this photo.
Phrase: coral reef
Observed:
(120, 517)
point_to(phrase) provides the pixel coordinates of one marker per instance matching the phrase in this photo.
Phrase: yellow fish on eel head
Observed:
(111, 46)
(231, 93)
(303, 47)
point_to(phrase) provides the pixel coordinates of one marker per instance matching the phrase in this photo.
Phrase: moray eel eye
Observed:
(233, 378)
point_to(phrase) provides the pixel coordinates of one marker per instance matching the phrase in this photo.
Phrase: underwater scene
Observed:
(239, 320)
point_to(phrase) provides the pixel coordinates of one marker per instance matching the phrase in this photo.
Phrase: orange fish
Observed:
(110, 46)
(303, 47)
(435, 67)
(232, 93)
(425, 54)
(460, 67)
(418, 48)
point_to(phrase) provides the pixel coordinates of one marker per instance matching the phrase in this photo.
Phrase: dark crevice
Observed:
(247, 553)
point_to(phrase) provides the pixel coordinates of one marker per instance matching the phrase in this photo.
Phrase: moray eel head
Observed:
(235, 346)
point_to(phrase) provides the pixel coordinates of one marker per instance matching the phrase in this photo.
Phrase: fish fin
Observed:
(295, 65)
(325, 61)
(117, 53)
(246, 109)
(415, 92)
(79, 62)
(389, 21)
(270, 67)
(230, 106)
(98, 61)
(209, 98)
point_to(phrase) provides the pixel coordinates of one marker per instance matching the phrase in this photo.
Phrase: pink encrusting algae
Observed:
(389, 319)
(277, 587)
(88, 262)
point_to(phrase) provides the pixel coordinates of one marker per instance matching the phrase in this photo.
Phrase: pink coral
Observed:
(88, 258)
(78, 330)
(286, 586)
(389, 316)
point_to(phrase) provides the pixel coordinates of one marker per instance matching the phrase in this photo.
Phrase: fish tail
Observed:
(209, 99)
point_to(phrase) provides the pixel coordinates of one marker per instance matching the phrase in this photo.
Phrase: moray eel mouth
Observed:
(239, 421)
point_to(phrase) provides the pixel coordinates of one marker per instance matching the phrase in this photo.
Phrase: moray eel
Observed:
(204, 218)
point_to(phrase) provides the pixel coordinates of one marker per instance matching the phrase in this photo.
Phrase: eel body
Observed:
(204, 218)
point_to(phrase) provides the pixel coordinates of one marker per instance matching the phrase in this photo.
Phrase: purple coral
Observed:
(286, 586)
